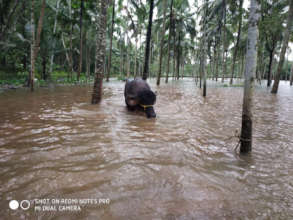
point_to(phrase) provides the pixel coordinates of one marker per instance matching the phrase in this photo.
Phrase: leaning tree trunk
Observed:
(35, 41)
(284, 47)
(111, 41)
(162, 43)
(148, 40)
(237, 41)
(80, 40)
(100, 53)
(250, 68)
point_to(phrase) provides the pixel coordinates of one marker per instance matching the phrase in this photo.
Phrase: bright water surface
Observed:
(181, 165)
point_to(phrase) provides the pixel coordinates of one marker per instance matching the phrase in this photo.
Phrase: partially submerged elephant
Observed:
(138, 95)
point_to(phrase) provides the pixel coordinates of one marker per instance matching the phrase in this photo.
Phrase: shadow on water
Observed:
(181, 165)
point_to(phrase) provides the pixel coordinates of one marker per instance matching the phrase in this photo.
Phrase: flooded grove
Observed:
(182, 165)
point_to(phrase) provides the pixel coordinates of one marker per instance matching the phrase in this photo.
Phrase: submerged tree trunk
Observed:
(111, 41)
(260, 63)
(148, 40)
(162, 43)
(70, 41)
(182, 74)
(35, 41)
(121, 59)
(237, 41)
(269, 80)
(100, 53)
(88, 62)
(80, 40)
(250, 68)
(291, 77)
(44, 65)
(178, 57)
(284, 47)
(204, 42)
(174, 48)
(218, 60)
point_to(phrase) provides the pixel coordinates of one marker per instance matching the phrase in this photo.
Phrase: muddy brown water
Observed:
(55, 145)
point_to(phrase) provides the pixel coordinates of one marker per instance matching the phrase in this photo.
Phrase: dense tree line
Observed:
(66, 33)
(71, 40)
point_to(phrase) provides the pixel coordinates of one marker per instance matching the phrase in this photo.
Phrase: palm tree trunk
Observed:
(128, 58)
(100, 53)
(44, 65)
(217, 61)
(81, 39)
(135, 58)
(242, 66)
(70, 41)
(148, 40)
(162, 43)
(178, 57)
(272, 52)
(182, 69)
(260, 64)
(169, 42)
(54, 41)
(121, 60)
(224, 43)
(283, 51)
(214, 62)
(250, 68)
(111, 41)
(36, 41)
(204, 41)
(174, 49)
(291, 77)
(32, 72)
(88, 63)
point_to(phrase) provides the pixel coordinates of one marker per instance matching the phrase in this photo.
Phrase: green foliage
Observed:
(129, 37)
(8, 77)
(121, 78)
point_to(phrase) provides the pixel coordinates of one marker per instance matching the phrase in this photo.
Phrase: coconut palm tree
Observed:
(250, 68)
(100, 52)
(284, 47)
(148, 40)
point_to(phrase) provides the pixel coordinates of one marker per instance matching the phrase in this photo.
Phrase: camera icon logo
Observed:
(24, 204)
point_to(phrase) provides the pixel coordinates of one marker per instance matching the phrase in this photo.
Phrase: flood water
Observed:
(182, 165)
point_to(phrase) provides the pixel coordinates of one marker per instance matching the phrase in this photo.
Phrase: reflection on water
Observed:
(181, 165)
